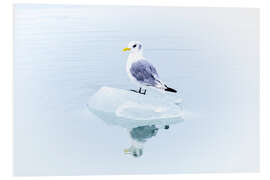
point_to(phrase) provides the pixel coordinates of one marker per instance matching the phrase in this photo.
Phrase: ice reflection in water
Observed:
(142, 115)
(139, 135)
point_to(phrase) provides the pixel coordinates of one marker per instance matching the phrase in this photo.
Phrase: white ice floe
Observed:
(128, 109)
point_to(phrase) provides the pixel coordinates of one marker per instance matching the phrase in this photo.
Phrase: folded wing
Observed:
(144, 72)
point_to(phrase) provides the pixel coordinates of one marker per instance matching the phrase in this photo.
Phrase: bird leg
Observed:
(144, 92)
(139, 91)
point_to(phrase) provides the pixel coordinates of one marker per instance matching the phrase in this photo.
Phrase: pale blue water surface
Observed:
(64, 54)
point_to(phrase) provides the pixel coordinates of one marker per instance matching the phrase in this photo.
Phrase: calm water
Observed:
(64, 54)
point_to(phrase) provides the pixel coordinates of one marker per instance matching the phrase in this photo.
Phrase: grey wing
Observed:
(144, 72)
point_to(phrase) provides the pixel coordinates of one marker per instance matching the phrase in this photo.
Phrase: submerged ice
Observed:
(128, 109)
(142, 115)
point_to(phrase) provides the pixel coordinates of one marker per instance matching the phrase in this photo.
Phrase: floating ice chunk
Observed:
(133, 110)
(129, 109)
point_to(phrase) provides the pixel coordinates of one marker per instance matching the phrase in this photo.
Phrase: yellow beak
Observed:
(126, 49)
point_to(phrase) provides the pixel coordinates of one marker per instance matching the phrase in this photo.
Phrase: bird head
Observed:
(134, 46)
(134, 151)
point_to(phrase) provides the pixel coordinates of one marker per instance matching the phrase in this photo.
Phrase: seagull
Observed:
(141, 72)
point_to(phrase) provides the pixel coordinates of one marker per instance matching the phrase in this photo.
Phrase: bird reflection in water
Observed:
(139, 135)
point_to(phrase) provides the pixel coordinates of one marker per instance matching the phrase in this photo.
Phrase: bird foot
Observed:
(166, 127)
(139, 91)
(133, 90)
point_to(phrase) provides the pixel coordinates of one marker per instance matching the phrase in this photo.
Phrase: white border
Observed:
(6, 76)
(183, 3)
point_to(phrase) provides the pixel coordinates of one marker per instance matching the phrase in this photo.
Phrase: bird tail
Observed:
(169, 89)
(164, 87)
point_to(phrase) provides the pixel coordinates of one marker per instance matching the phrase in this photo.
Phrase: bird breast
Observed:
(131, 59)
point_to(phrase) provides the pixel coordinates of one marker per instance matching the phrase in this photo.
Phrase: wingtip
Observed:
(171, 90)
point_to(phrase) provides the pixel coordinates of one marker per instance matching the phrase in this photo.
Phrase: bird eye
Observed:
(134, 45)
